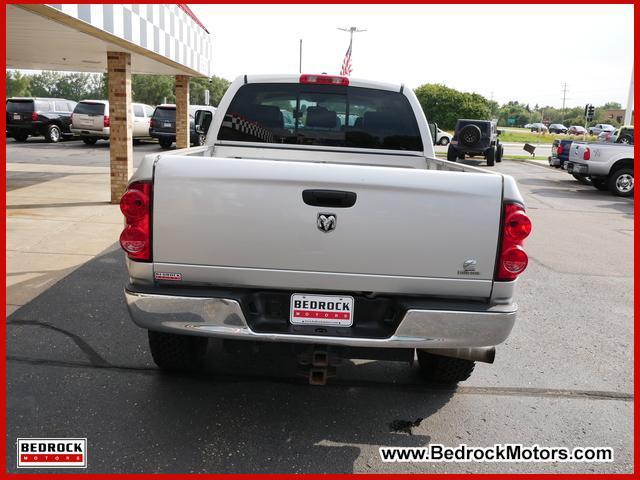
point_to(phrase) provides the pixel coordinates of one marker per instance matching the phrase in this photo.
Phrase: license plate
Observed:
(166, 125)
(328, 310)
(16, 116)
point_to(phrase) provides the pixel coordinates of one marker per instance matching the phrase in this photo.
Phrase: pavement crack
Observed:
(351, 383)
(95, 359)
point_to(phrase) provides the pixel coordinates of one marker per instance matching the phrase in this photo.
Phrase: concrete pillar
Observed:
(182, 111)
(121, 122)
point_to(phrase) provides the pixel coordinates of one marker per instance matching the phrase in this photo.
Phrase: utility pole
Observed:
(351, 31)
(629, 109)
(300, 64)
(564, 98)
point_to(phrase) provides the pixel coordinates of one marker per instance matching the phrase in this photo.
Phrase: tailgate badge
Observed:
(469, 267)
(327, 222)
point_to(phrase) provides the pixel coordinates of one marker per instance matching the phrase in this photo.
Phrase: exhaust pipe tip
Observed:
(474, 354)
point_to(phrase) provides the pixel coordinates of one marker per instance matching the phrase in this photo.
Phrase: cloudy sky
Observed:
(506, 52)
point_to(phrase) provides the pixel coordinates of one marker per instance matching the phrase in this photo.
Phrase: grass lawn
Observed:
(530, 137)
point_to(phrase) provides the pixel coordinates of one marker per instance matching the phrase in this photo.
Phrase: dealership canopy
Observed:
(119, 39)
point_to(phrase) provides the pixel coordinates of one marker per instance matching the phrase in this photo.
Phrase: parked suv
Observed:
(475, 137)
(48, 117)
(163, 124)
(90, 120)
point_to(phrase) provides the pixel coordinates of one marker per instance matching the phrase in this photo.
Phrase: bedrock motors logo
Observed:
(52, 453)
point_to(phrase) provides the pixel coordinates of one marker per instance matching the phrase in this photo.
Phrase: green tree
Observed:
(153, 89)
(444, 105)
(17, 84)
(218, 87)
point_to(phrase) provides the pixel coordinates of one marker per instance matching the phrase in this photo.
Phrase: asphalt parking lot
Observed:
(78, 367)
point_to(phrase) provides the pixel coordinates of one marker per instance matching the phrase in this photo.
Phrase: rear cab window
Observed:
(89, 108)
(322, 115)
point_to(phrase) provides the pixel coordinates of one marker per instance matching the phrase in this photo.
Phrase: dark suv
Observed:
(475, 138)
(163, 124)
(48, 117)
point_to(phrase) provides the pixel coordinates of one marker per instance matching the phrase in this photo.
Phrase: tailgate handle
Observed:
(329, 198)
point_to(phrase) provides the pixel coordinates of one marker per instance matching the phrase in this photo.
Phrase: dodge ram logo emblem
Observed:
(469, 265)
(326, 222)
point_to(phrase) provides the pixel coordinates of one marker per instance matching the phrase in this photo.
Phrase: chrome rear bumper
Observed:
(223, 318)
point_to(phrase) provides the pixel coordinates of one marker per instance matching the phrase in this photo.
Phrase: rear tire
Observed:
(54, 134)
(452, 155)
(165, 143)
(445, 370)
(444, 141)
(491, 157)
(621, 182)
(177, 353)
(20, 137)
(499, 153)
(89, 140)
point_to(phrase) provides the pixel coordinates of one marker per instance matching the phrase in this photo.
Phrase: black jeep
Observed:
(476, 138)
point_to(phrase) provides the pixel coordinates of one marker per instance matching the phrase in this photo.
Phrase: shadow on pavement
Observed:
(78, 367)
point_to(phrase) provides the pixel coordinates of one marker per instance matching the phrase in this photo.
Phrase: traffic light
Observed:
(589, 112)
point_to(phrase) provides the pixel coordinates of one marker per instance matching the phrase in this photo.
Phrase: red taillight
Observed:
(34, 116)
(152, 123)
(513, 259)
(560, 149)
(587, 154)
(135, 204)
(324, 79)
(106, 121)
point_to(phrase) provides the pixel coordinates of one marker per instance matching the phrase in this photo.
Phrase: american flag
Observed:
(346, 63)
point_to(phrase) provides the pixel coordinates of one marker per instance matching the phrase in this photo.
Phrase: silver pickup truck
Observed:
(335, 232)
(609, 165)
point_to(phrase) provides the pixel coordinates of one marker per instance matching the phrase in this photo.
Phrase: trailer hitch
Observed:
(318, 363)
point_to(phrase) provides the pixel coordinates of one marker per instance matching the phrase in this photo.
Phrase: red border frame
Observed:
(3, 335)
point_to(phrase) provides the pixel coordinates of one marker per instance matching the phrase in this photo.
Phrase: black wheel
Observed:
(165, 142)
(490, 156)
(177, 353)
(470, 135)
(452, 155)
(20, 137)
(600, 184)
(89, 140)
(439, 369)
(54, 134)
(444, 141)
(582, 179)
(499, 153)
(621, 182)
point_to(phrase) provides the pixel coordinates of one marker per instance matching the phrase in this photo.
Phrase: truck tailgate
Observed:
(243, 222)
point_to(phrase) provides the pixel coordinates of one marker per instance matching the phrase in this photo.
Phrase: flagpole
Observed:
(351, 31)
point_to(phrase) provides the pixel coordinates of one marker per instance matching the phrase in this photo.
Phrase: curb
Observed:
(530, 162)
